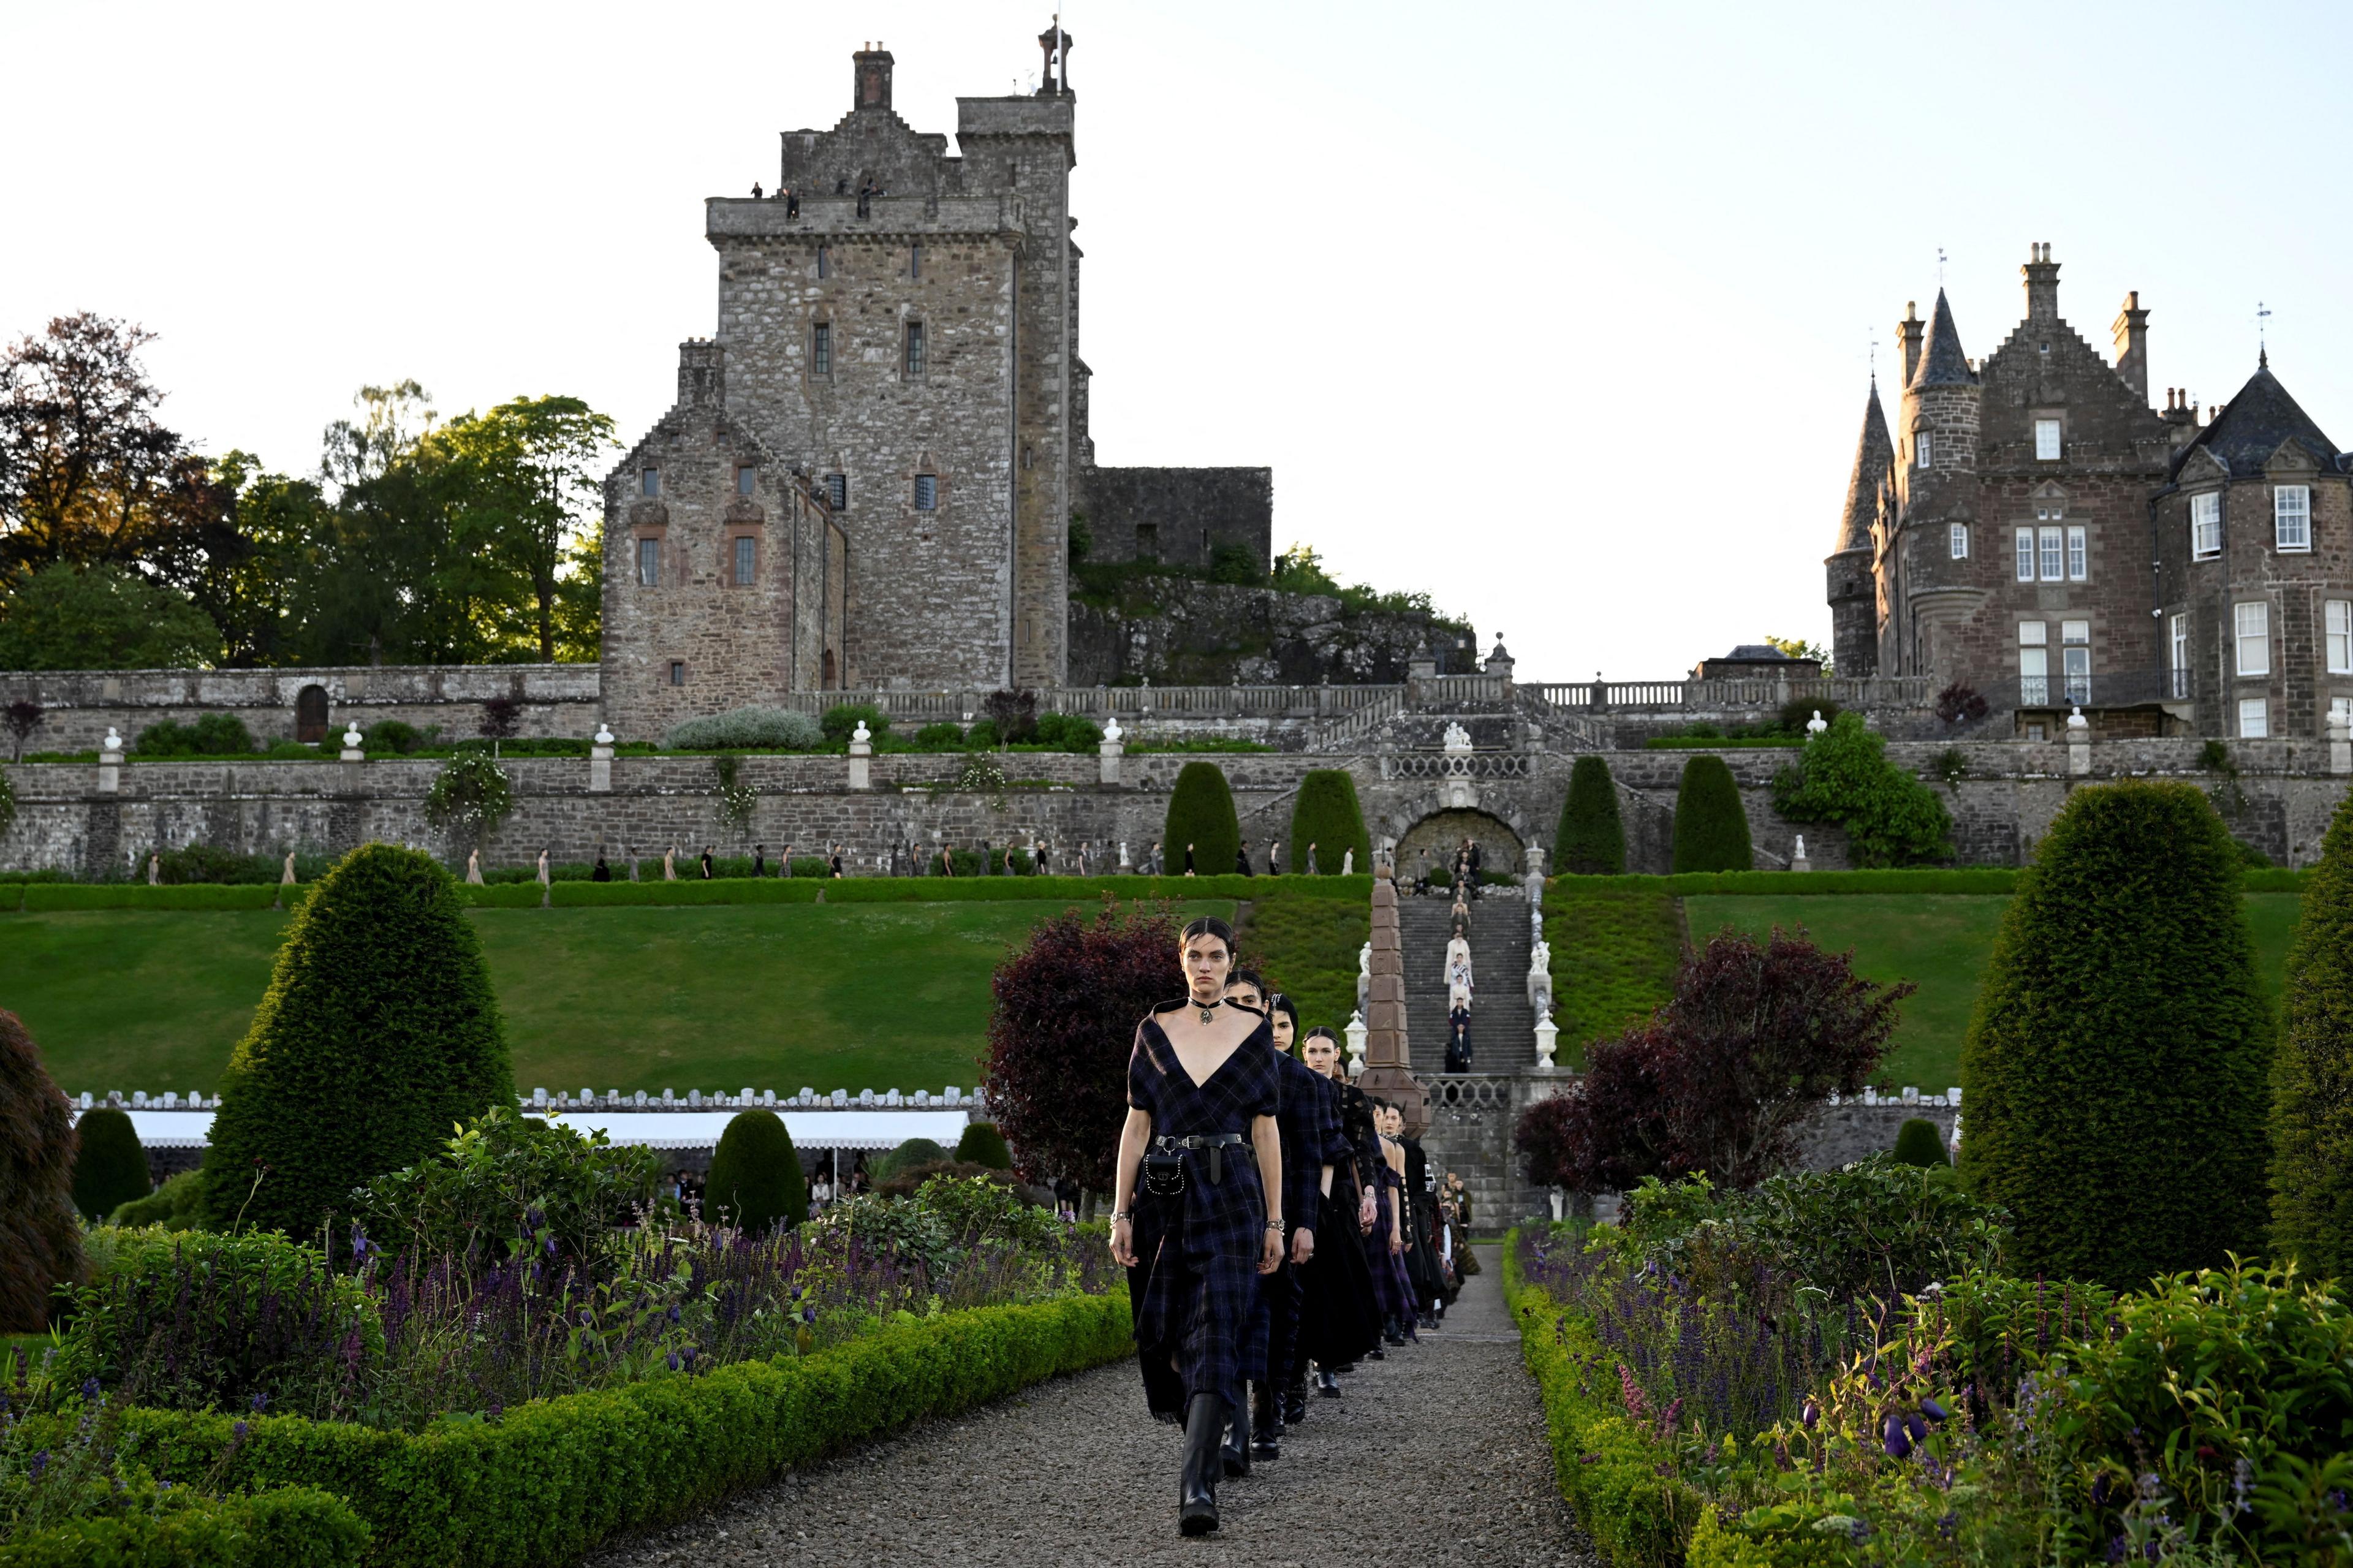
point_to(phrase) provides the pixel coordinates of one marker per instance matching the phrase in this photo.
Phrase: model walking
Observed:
(1191, 1221)
(1337, 1324)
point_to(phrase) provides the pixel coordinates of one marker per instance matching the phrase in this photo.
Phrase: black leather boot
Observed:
(1205, 1433)
(1327, 1382)
(1266, 1422)
(1294, 1400)
(1237, 1446)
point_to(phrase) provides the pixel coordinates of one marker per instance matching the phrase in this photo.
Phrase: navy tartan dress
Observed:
(1199, 1252)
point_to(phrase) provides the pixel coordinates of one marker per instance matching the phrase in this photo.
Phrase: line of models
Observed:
(1241, 1285)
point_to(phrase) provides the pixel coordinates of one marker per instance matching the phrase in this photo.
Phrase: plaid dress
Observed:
(1199, 1252)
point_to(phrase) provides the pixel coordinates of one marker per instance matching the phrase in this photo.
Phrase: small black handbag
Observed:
(1164, 1172)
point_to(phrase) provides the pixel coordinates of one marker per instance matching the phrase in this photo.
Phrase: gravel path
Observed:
(1437, 1456)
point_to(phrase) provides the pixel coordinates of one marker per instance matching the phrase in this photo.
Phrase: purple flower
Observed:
(1894, 1438)
(672, 1360)
(39, 1463)
(1935, 1409)
(89, 1388)
(1810, 1414)
(237, 1431)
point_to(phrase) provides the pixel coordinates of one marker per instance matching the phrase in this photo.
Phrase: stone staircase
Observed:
(1503, 1026)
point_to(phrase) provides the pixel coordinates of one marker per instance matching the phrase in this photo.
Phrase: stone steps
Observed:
(1503, 1026)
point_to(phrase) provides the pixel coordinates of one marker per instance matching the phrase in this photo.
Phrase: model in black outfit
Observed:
(1197, 1227)
(1338, 1322)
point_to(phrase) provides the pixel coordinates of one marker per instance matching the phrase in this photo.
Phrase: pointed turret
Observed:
(1944, 364)
(1849, 571)
(1875, 459)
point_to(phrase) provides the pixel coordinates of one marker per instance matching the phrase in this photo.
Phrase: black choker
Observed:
(1209, 1010)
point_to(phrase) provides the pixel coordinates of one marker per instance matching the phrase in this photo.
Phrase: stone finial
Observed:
(1547, 1043)
(1356, 1031)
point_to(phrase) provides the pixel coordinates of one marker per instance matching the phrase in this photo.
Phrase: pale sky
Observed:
(1558, 312)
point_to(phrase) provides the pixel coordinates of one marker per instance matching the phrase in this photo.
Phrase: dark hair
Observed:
(1250, 977)
(1279, 1003)
(1299, 1046)
(1207, 925)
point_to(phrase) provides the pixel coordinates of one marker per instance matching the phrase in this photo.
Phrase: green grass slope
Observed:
(1308, 948)
(1614, 953)
(774, 995)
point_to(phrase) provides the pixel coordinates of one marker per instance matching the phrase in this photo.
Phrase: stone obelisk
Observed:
(1388, 1066)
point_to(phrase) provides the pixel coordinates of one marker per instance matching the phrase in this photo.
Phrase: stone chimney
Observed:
(1908, 330)
(701, 373)
(2132, 344)
(871, 84)
(2042, 276)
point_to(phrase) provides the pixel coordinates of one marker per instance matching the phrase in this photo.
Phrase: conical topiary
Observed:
(1917, 1142)
(40, 1238)
(1591, 841)
(1326, 814)
(2117, 1064)
(2312, 1077)
(983, 1144)
(755, 1174)
(1711, 828)
(1202, 814)
(110, 1168)
(379, 1032)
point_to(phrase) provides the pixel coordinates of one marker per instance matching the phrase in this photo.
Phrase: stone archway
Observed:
(310, 714)
(1436, 835)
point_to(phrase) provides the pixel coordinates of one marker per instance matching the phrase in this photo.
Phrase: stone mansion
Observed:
(2034, 529)
(870, 473)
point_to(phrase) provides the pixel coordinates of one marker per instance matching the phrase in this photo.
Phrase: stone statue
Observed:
(474, 866)
(543, 868)
(1348, 864)
(286, 877)
(154, 870)
(669, 862)
(1458, 739)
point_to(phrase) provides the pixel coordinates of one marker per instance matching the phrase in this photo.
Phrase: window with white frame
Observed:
(1920, 446)
(2033, 664)
(2255, 719)
(2075, 658)
(2291, 517)
(1957, 540)
(2206, 525)
(2252, 622)
(2340, 711)
(2338, 616)
(2026, 555)
(2054, 559)
(2078, 556)
(2046, 440)
(2180, 666)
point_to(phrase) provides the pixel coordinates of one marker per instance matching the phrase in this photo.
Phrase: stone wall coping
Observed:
(950, 1097)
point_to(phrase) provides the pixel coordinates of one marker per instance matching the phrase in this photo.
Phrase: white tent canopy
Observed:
(654, 1129)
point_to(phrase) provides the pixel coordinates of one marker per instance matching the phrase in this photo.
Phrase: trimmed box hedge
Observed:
(42, 896)
(1782, 884)
(548, 1480)
(287, 1527)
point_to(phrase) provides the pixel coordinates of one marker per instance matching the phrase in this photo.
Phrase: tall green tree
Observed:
(83, 457)
(1326, 814)
(103, 617)
(2312, 1077)
(2117, 1067)
(1592, 839)
(526, 476)
(1202, 814)
(1711, 826)
(1844, 776)
(379, 1032)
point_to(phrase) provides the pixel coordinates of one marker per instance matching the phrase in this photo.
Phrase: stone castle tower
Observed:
(893, 413)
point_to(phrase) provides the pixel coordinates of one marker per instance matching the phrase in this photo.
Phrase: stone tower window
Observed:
(649, 482)
(1960, 541)
(2251, 621)
(2291, 517)
(748, 560)
(745, 478)
(1147, 541)
(927, 492)
(825, 261)
(821, 348)
(678, 672)
(915, 261)
(2205, 526)
(837, 491)
(648, 562)
(2046, 440)
(1920, 449)
(914, 361)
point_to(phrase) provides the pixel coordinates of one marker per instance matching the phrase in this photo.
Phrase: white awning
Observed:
(880, 1128)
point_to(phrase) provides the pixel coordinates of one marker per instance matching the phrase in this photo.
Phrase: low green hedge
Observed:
(288, 1527)
(41, 897)
(1699, 884)
(1609, 1470)
(546, 1481)
(718, 890)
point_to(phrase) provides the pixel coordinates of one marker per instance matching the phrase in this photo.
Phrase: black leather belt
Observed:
(1215, 1143)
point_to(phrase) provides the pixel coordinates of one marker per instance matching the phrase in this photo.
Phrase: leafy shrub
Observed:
(1711, 827)
(379, 1032)
(755, 1180)
(1844, 777)
(1959, 704)
(470, 795)
(838, 723)
(395, 735)
(1236, 564)
(913, 1152)
(976, 1207)
(940, 737)
(507, 1183)
(1012, 715)
(2312, 1080)
(983, 735)
(279, 1526)
(1591, 838)
(1326, 814)
(2124, 961)
(8, 805)
(983, 1144)
(746, 729)
(1758, 1032)
(1071, 732)
(212, 735)
(40, 1239)
(109, 1167)
(177, 1205)
(1060, 1032)
(1920, 1142)
(1202, 814)
(188, 1319)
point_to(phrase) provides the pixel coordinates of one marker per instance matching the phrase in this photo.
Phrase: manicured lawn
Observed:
(1308, 948)
(1940, 942)
(1614, 954)
(772, 995)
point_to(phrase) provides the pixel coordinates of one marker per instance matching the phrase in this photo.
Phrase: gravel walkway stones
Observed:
(1437, 1456)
